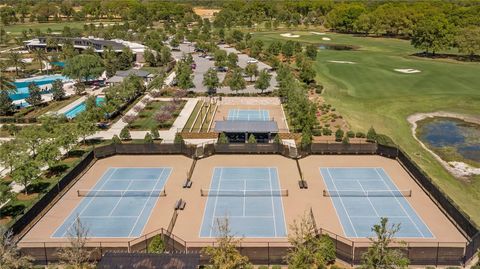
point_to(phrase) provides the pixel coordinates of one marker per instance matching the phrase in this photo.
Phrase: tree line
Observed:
(432, 26)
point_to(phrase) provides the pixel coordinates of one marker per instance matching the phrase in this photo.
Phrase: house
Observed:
(121, 75)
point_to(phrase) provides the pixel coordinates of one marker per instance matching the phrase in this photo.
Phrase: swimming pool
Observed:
(22, 86)
(74, 111)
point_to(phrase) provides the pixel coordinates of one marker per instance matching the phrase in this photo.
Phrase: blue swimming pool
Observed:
(74, 111)
(22, 86)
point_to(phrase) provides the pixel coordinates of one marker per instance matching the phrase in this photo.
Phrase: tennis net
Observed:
(121, 193)
(243, 193)
(367, 193)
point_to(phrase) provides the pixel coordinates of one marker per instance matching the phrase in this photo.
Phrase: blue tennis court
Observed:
(119, 204)
(362, 196)
(250, 198)
(249, 114)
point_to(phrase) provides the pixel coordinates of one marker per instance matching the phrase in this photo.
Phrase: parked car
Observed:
(222, 69)
(175, 48)
(193, 66)
(252, 61)
(209, 57)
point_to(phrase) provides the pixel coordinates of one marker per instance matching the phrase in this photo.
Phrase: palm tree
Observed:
(6, 83)
(39, 56)
(15, 59)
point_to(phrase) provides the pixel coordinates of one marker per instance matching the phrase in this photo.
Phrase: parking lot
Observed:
(203, 64)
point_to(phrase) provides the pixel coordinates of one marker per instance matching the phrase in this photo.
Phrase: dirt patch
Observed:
(458, 169)
(205, 12)
(24, 197)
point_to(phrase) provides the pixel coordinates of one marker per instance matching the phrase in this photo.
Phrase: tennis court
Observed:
(120, 203)
(361, 196)
(249, 114)
(249, 197)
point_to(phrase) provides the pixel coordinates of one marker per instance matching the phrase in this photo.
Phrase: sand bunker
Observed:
(326, 38)
(289, 35)
(317, 33)
(342, 62)
(408, 71)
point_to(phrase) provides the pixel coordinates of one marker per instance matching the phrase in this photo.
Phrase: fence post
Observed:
(268, 253)
(436, 258)
(45, 251)
(353, 253)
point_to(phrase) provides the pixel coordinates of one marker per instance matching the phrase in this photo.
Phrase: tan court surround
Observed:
(190, 220)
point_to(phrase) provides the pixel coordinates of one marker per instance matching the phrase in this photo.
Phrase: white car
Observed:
(252, 61)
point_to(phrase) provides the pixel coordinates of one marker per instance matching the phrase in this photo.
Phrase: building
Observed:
(121, 75)
(82, 43)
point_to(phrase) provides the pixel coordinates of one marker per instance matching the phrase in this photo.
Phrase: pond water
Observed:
(451, 138)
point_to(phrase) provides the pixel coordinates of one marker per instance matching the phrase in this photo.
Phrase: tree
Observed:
(288, 49)
(66, 137)
(220, 58)
(83, 67)
(6, 84)
(277, 139)
(34, 97)
(79, 88)
(150, 58)
(32, 137)
(311, 51)
(210, 80)
(306, 139)
(371, 135)
(125, 134)
(11, 257)
(116, 140)
(48, 153)
(222, 139)
(6, 104)
(148, 139)
(10, 152)
(156, 245)
(225, 253)
(5, 194)
(432, 34)
(184, 76)
(263, 80)
(15, 59)
(274, 48)
(110, 61)
(232, 60)
(84, 125)
(26, 172)
(178, 139)
(252, 139)
(155, 134)
(307, 73)
(251, 70)
(237, 82)
(57, 90)
(468, 40)
(40, 56)
(125, 59)
(379, 254)
(308, 249)
(339, 135)
(77, 253)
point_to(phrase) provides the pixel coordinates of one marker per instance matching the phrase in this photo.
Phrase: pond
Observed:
(452, 139)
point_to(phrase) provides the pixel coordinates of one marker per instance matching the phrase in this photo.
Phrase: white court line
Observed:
(146, 202)
(368, 198)
(244, 195)
(400, 204)
(88, 204)
(252, 217)
(107, 217)
(216, 200)
(118, 202)
(273, 206)
(341, 201)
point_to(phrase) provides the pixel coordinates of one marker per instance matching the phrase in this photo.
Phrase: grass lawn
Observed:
(50, 106)
(370, 93)
(194, 113)
(146, 120)
(16, 29)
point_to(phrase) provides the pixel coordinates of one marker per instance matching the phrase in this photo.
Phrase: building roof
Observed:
(149, 261)
(246, 126)
(136, 72)
(115, 79)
